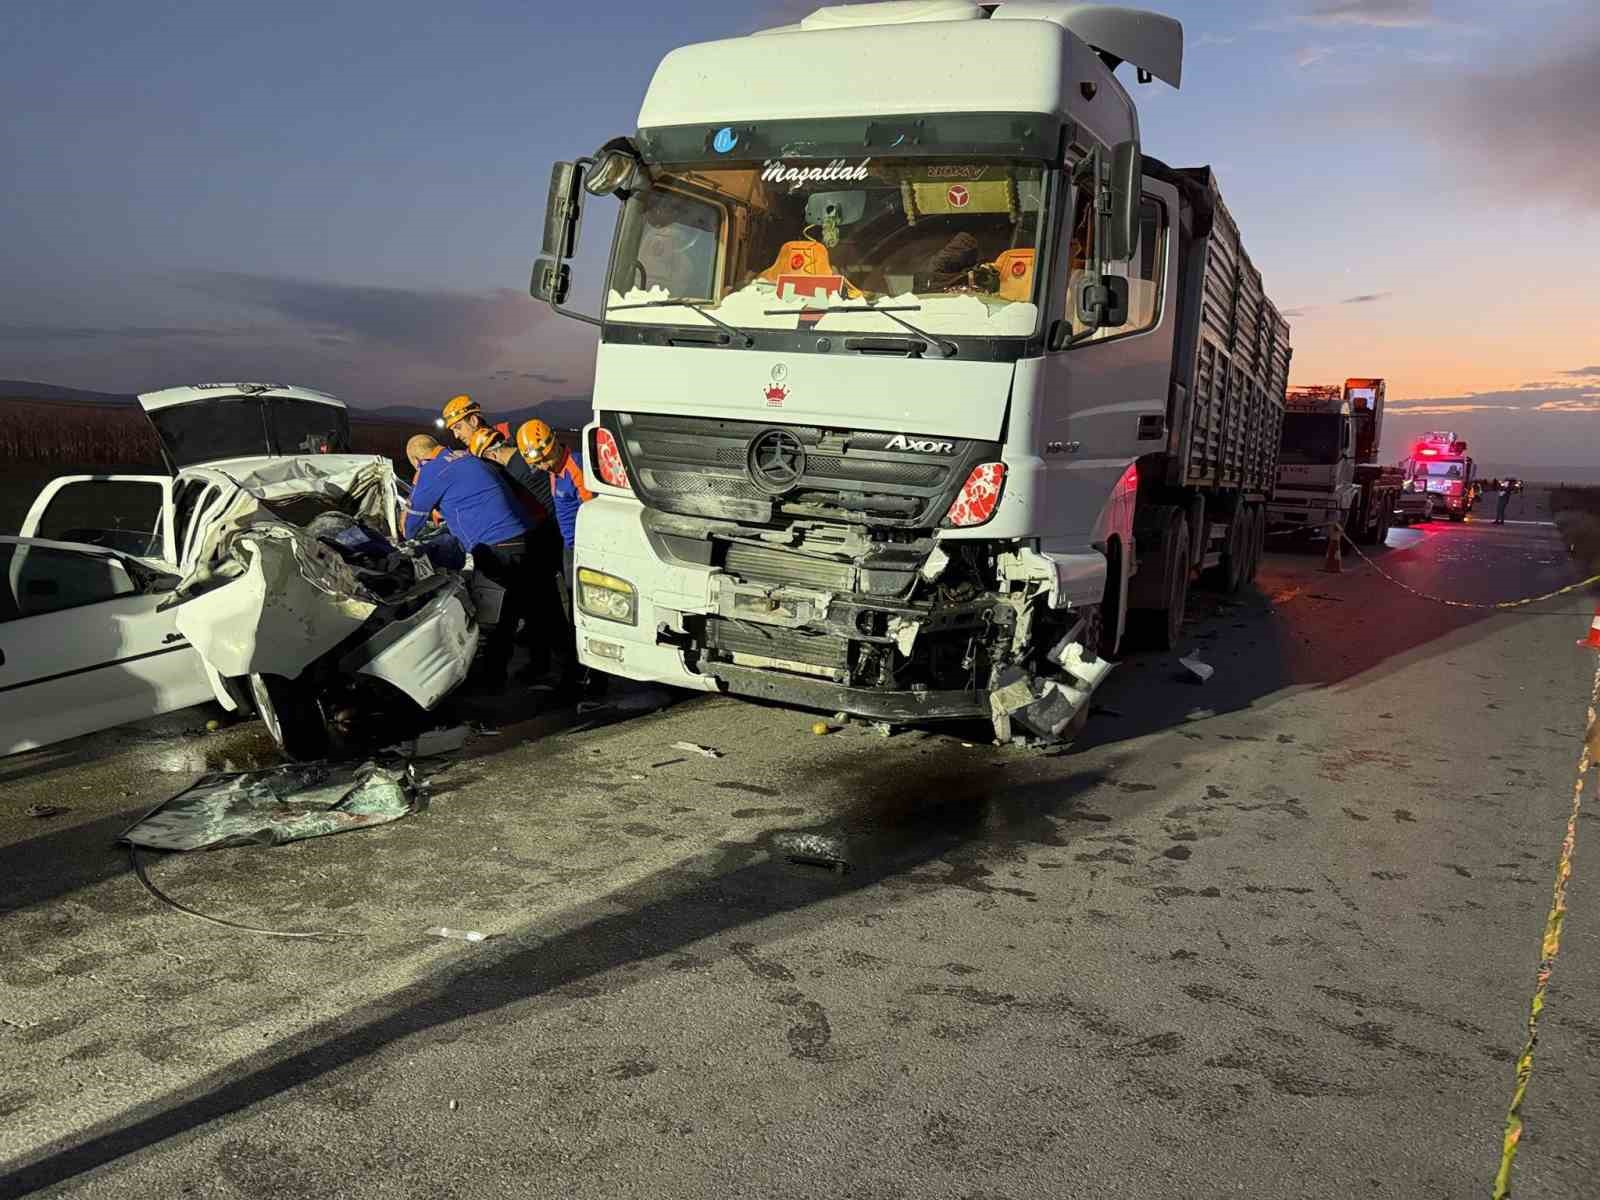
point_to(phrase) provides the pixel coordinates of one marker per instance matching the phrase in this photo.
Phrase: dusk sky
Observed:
(350, 195)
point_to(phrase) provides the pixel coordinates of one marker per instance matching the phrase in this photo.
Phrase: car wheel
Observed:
(292, 715)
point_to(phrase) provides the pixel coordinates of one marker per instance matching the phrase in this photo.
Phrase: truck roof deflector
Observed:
(1145, 39)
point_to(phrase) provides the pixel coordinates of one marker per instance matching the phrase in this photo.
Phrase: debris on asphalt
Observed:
(213, 725)
(821, 728)
(279, 804)
(454, 1104)
(642, 700)
(696, 748)
(460, 935)
(1201, 671)
(41, 811)
(812, 850)
(883, 729)
(435, 741)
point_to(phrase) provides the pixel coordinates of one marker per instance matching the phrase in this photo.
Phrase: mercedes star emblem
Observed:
(777, 460)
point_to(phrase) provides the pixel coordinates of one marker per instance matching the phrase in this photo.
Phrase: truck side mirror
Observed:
(1102, 303)
(562, 210)
(1127, 174)
(551, 281)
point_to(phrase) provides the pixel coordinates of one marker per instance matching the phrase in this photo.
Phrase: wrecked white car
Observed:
(296, 592)
(85, 643)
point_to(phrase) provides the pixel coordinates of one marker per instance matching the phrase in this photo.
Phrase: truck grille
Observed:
(771, 641)
(699, 466)
(768, 564)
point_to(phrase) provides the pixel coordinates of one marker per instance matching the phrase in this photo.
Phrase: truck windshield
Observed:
(769, 246)
(1311, 439)
(1441, 470)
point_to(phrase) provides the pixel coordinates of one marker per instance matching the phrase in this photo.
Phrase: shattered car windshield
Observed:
(758, 245)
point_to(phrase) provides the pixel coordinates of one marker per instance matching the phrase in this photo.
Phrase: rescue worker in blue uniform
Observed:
(541, 451)
(550, 637)
(486, 519)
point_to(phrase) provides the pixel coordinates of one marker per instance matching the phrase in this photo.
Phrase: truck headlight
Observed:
(607, 597)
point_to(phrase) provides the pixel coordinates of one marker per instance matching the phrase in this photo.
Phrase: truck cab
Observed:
(1316, 460)
(887, 418)
(1327, 472)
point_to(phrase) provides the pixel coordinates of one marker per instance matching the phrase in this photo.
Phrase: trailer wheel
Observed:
(1160, 628)
(292, 716)
(1229, 574)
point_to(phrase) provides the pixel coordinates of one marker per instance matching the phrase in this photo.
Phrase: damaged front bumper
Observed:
(900, 629)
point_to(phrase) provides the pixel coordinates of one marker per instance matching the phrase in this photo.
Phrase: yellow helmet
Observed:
(536, 440)
(483, 439)
(457, 408)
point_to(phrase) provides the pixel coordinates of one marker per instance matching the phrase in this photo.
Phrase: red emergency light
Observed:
(1429, 451)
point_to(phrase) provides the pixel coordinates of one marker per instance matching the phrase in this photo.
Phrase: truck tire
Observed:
(1258, 540)
(292, 715)
(1229, 574)
(1160, 628)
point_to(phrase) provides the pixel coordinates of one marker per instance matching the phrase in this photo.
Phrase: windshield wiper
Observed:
(947, 348)
(698, 306)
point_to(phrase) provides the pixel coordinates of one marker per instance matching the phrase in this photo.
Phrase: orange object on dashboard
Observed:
(1015, 268)
(799, 258)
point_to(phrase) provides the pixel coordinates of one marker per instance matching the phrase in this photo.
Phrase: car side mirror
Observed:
(1127, 174)
(562, 210)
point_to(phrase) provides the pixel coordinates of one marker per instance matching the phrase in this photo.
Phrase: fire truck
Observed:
(1441, 471)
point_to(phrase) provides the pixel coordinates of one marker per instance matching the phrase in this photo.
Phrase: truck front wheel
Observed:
(1160, 628)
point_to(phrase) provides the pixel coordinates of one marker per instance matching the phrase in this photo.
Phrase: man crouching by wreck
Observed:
(480, 511)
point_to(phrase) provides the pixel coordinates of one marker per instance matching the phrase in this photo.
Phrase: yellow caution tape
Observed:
(1548, 949)
(1406, 587)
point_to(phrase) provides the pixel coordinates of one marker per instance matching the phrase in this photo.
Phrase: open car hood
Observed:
(220, 422)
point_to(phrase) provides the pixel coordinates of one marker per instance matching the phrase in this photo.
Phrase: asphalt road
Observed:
(1269, 936)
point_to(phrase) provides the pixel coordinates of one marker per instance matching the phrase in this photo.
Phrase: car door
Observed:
(128, 513)
(83, 646)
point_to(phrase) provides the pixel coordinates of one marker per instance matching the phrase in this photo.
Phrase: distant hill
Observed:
(24, 389)
(564, 412)
(1585, 473)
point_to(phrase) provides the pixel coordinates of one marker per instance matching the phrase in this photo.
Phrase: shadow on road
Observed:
(925, 831)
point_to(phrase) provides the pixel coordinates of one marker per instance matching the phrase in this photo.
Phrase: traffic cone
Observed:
(1334, 563)
(1593, 640)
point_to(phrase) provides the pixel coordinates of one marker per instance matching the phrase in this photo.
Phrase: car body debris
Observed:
(280, 804)
(460, 935)
(434, 742)
(696, 748)
(1199, 670)
(812, 850)
(43, 811)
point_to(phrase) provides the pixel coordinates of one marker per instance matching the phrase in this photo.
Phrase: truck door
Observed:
(1103, 400)
(128, 513)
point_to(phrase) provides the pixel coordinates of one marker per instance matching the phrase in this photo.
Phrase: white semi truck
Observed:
(919, 391)
(1328, 470)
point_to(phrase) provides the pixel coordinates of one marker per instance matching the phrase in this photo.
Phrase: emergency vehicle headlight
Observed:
(607, 597)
